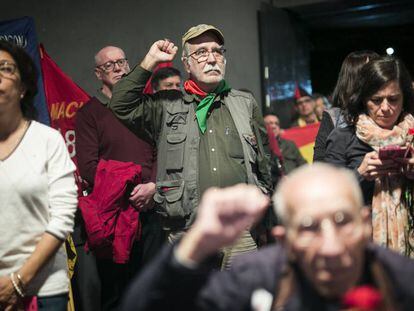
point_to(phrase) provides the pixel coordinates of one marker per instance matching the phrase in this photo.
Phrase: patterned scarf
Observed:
(208, 98)
(391, 216)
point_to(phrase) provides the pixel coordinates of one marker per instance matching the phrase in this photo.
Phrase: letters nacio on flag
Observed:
(63, 97)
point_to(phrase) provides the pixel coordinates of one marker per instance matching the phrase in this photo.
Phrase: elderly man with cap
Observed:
(210, 135)
(325, 260)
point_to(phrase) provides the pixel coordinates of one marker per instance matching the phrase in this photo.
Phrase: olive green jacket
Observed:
(168, 120)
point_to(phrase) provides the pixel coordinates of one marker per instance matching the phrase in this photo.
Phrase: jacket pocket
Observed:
(175, 151)
(169, 195)
(176, 115)
(234, 144)
(252, 147)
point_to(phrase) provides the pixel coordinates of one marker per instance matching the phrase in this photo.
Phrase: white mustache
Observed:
(209, 67)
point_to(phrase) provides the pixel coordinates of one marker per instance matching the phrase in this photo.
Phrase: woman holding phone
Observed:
(38, 196)
(379, 114)
(348, 78)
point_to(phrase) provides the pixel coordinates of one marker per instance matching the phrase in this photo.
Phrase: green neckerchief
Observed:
(206, 102)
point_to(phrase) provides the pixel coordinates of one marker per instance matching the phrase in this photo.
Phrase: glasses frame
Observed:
(112, 64)
(14, 65)
(221, 48)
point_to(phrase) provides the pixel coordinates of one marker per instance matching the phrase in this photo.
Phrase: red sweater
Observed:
(100, 135)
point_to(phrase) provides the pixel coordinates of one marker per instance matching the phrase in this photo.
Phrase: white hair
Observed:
(185, 53)
(309, 172)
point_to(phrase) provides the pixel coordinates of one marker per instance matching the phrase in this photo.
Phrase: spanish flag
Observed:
(304, 138)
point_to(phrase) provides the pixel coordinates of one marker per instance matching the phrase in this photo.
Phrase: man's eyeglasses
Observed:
(109, 66)
(7, 70)
(310, 230)
(201, 55)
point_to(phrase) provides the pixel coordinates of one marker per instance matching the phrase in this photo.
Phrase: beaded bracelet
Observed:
(16, 287)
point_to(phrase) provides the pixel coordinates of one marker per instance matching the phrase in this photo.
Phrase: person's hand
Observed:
(141, 196)
(161, 51)
(372, 166)
(8, 297)
(407, 167)
(222, 216)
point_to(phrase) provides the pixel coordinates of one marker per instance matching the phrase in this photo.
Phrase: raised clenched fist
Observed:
(159, 52)
(222, 216)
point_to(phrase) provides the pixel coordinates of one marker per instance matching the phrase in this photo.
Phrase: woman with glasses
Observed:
(37, 194)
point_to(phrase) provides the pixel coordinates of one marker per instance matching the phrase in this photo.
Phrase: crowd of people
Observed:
(193, 201)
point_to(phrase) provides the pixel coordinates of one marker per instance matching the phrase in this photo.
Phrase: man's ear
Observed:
(186, 65)
(366, 221)
(279, 233)
(98, 73)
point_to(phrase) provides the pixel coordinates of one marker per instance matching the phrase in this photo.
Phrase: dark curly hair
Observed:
(373, 76)
(348, 76)
(163, 73)
(28, 77)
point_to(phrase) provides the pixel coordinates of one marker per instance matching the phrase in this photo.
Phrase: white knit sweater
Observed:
(37, 194)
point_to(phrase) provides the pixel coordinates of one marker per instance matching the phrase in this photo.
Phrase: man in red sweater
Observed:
(100, 135)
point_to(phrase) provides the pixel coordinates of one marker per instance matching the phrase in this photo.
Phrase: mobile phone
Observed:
(393, 152)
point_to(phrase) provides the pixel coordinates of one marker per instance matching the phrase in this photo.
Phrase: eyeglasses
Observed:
(7, 70)
(309, 229)
(110, 66)
(202, 54)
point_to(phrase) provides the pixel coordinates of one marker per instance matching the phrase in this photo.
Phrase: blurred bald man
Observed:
(100, 135)
(325, 259)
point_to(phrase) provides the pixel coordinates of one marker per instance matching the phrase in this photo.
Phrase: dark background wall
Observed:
(331, 45)
(72, 31)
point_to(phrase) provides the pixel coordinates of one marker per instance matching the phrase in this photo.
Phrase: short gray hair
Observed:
(314, 170)
(186, 51)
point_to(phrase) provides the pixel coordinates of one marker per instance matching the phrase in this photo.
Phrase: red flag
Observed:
(299, 92)
(148, 88)
(304, 138)
(64, 97)
(296, 95)
(273, 144)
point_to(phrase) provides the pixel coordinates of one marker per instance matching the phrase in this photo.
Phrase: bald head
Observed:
(326, 229)
(110, 66)
(102, 55)
(319, 184)
(273, 122)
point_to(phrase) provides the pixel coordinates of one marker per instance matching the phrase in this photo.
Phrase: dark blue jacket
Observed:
(167, 285)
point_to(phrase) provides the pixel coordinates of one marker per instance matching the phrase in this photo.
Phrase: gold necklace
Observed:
(24, 126)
